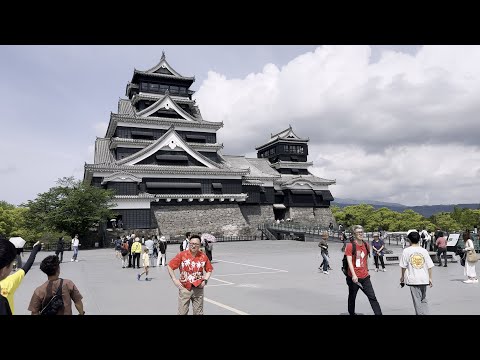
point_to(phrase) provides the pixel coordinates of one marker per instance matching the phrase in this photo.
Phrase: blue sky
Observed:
(389, 123)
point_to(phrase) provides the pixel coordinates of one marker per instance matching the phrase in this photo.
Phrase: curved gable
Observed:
(165, 65)
(171, 140)
(167, 103)
(121, 176)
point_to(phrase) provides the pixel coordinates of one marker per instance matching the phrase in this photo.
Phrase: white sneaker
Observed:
(325, 272)
(384, 270)
(475, 280)
(376, 270)
(469, 281)
(71, 260)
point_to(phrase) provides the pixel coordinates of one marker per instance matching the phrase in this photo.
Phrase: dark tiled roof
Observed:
(183, 143)
(142, 142)
(258, 169)
(155, 97)
(289, 179)
(153, 120)
(183, 196)
(166, 76)
(282, 135)
(167, 100)
(281, 139)
(103, 153)
(125, 107)
(263, 165)
(292, 164)
(164, 169)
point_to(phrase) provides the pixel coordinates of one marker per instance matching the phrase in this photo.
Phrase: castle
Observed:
(166, 166)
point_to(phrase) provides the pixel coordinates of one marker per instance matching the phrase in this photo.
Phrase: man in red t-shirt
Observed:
(358, 276)
(191, 262)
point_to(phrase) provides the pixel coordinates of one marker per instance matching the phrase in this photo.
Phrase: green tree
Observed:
(6, 206)
(71, 207)
(445, 221)
(466, 218)
(389, 220)
(358, 215)
(7, 222)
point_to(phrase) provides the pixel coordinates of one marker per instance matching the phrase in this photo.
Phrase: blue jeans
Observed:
(325, 262)
(75, 252)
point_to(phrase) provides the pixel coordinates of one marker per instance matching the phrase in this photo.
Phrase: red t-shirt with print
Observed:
(360, 259)
(191, 267)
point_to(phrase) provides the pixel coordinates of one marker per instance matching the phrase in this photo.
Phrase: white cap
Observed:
(411, 230)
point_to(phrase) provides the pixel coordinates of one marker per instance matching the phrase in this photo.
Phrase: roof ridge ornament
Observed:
(163, 55)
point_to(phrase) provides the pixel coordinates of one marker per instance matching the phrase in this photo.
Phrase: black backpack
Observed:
(55, 303)
(354, 254)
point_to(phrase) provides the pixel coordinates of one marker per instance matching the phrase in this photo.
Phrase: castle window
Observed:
(163, 88)
(153, 87)
(172, 158)
(142, 135)
(196, 138)
(174, 89)
(217, 186)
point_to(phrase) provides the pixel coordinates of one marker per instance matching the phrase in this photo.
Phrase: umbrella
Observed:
(18, 242)
(208, 237)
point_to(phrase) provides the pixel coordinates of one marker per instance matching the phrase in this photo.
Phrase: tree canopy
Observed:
(389, 220)
(71, 207)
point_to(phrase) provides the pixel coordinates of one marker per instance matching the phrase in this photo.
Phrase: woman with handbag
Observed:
(471, 259)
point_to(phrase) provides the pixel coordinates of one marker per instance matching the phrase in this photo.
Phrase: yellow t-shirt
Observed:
(10, 284)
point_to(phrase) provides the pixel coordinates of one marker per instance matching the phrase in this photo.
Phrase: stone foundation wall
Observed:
(256, 215)
(302, 215)
(217, 219)
(312, 216)
(324, 216)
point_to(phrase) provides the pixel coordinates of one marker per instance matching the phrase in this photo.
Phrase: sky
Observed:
(392, 123)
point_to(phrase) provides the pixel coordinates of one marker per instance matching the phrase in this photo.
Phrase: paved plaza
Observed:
(250, 277)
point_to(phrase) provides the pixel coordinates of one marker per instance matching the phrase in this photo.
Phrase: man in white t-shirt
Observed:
(75, 245)
(186, 242)
(417, 263)
(425, 237)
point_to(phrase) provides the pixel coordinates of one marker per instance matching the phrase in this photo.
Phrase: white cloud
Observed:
(370, 116)
(100, 128)
(401, 129)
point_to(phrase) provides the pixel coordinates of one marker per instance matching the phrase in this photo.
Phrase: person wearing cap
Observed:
(136, 251)
(417, 263)
(162, 247)
(378, 247)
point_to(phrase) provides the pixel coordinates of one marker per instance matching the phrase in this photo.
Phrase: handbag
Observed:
(462, 260)
(472, 256)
